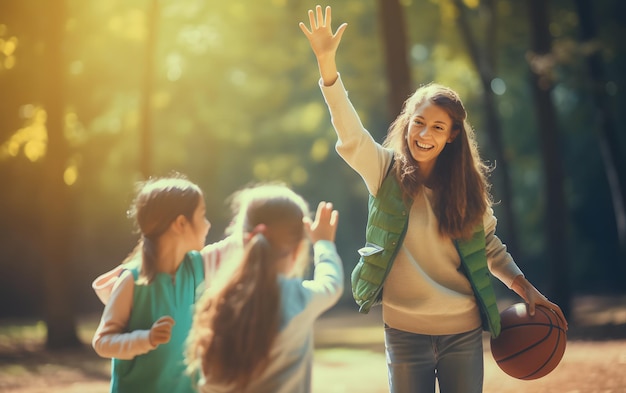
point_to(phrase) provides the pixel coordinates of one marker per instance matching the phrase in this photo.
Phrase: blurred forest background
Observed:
(96, 95)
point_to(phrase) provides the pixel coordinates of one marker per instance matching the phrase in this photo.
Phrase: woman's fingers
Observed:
(312, 20)
(320, 17)
(328, 18)
(317, 20)
(304, 29)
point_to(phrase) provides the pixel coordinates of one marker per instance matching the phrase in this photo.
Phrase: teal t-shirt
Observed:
(161, 370)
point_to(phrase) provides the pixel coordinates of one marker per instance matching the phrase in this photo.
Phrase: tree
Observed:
(55, 204)
(605, 127)
(555, 209)
(395, 49)
(145, 160)
(484, 59)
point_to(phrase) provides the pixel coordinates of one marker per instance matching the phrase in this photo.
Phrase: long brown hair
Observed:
(235, 325)
(459, 178)
(158, 202)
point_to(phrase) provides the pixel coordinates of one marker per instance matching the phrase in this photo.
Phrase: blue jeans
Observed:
(415, 361)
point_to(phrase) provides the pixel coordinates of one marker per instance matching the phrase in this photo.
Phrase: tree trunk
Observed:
(484, 61)
(607, 132)
(556, 211)
(13, 93)
(55, 205)
(146, 138)
(395, 48)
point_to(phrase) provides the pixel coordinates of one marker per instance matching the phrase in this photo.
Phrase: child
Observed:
(148, 312)
(430, 234)
(253, 332)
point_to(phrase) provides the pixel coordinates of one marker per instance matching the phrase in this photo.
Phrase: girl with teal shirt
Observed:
(148, 312)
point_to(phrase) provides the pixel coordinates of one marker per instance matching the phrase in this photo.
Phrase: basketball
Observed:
(529, 347)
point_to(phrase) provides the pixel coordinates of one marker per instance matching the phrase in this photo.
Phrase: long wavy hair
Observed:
(235, 324)
(158, 202)
(459, 178)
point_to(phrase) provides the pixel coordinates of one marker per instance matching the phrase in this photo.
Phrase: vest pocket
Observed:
(370, 249)
(362, 289)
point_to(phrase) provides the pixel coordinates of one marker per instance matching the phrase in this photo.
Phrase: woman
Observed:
(431, 231)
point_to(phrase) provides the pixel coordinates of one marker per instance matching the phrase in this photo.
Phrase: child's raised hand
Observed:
(161, 330)
(320, 35)
(325, 225)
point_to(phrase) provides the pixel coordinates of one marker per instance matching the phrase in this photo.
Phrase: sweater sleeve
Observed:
(111, 340)
(500, 262)
(354, 143)
(221, 258)
(104, 283)
(326, 286)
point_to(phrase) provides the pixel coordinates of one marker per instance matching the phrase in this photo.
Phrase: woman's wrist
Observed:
(328, 70)
(520, 286)
(519, 280)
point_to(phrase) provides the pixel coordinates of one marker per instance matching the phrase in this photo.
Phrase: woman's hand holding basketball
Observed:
(325, 225)
(161, 330)
(533, 297)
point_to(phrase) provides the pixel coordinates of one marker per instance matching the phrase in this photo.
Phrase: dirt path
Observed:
(350, 358)
(587, 367)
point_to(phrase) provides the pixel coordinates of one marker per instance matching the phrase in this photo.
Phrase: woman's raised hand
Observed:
(320, 35)
(323, 42)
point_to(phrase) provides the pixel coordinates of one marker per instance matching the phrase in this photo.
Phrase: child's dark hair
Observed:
(158, 202)
(235, 325)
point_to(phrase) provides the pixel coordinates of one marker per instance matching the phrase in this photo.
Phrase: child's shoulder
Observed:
(226, 249)
(105, 283)
(229, 243)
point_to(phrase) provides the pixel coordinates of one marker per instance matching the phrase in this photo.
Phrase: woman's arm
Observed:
(502, 266)
(355, 144)
(500, 262)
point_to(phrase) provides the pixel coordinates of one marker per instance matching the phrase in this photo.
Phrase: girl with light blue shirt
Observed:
(253, 327)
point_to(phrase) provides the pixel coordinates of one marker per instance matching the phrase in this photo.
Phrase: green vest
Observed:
(387, 223)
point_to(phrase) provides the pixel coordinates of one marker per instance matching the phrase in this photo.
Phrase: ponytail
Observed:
(243, 319)
(235, 325)
(146, 251)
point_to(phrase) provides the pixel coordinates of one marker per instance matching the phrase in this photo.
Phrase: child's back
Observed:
(254, 332)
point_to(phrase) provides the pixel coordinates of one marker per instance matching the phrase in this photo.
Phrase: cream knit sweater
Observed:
(425, 291)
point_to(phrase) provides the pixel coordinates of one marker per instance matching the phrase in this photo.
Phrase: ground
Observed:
(349, 356)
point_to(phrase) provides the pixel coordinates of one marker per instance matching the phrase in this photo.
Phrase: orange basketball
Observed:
(529, 347)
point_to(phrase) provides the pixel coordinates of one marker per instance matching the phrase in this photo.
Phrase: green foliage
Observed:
(236, 101)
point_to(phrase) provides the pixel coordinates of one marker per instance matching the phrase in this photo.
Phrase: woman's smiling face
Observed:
(430, 128)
